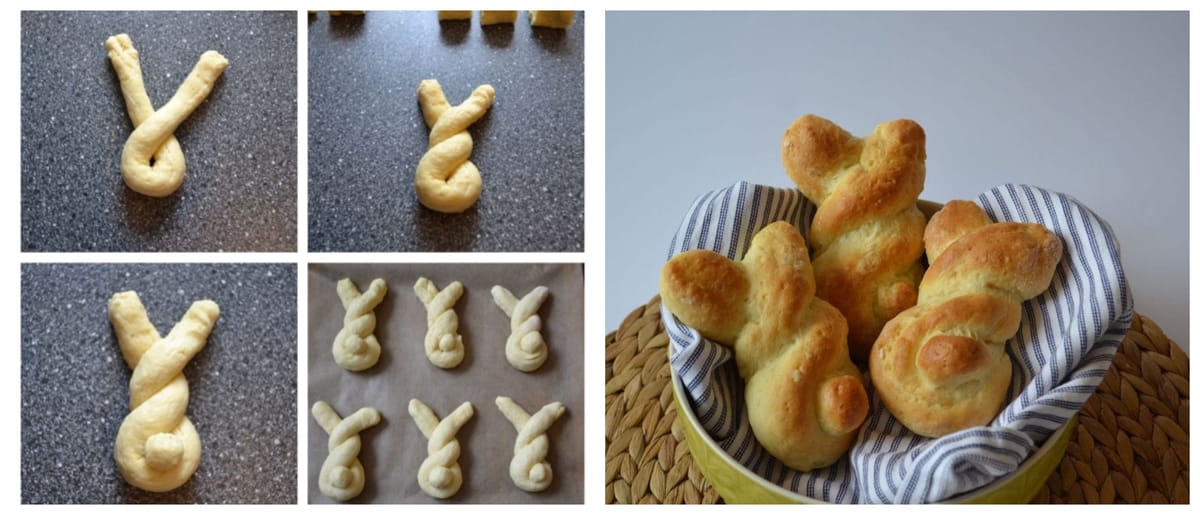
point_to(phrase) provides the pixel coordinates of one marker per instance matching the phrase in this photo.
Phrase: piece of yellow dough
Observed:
(552, 19)
(342, 476)
(153, 137)
(446, 179)
(440, 476)
(525, 348)
(529, 469)
(497, 17)
(355, 347)
(454, 15)
(443, 344)
(157, 447)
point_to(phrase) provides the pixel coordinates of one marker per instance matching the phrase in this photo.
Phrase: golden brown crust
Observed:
(708, 292)
(867, 231)
(940, 366)
(804, 397)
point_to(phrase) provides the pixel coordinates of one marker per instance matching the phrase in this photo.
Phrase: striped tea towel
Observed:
(1067, 340)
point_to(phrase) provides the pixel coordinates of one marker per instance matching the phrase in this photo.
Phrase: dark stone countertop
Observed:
(75, 385)
(366, 132)
(240, 144)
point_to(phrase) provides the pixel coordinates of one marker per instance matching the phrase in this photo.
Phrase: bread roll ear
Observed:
(804, 398)
(707, 292)
(940, 366)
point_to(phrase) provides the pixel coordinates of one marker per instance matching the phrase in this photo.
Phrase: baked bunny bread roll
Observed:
(940, 366)
(866, 233)
(804, 397)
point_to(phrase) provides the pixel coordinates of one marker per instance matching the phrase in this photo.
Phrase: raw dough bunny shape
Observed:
(440, 475)
(152, 162)
(355, 347)
(157, 447)
(525, 349)
(342, 476)
(446, 179)
(529, 469)
(443, 344)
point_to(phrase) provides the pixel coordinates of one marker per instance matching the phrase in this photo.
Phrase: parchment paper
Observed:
(393, 451)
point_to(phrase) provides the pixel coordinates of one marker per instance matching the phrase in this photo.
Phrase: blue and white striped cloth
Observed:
(1066, 343)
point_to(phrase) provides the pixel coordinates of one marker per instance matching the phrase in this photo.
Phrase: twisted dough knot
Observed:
(529, 469)
(525, 349)
(804, 398)
(152, 162)
(443, 344)
(157, 447)
(355, 346)
(940, 366)
(439, 475)
(342, 476)
(447, 180)
(866, 234)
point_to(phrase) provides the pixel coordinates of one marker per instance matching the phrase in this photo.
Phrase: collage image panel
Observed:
(446, 131)
(158, 131)
(158, 383)
(454, 383)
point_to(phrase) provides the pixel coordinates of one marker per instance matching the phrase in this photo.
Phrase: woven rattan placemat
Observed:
(1131, 445)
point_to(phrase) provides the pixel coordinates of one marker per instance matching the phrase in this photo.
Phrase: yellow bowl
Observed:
(738, 485)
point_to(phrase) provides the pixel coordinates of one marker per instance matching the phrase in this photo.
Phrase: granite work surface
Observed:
(75, 384)
(393, 451)
(366, 133)
(240, 144)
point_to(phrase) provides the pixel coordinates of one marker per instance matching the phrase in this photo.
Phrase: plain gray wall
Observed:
(1090, 104)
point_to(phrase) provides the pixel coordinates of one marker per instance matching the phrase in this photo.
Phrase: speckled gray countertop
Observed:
(74, 383)
(366, 133)
(240, 144)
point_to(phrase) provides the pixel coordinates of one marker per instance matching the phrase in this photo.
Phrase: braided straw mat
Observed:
(1131, 445)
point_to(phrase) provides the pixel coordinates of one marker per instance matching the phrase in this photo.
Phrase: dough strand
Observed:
(157, 447)
(440, 476)
(529, 469)
(443, 344)
(342, 476)
(526, 348)
(355, 347)
(152, 161)
(446, 179)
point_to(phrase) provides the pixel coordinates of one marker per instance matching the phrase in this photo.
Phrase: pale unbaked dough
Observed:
(440, 476)
(342, 476)
(157, 447)
(355, 347)
(153, 135)
(446, 179)
(525, 349)
(443, 344)
(497, 17)
(529, 469)
(552, 19)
